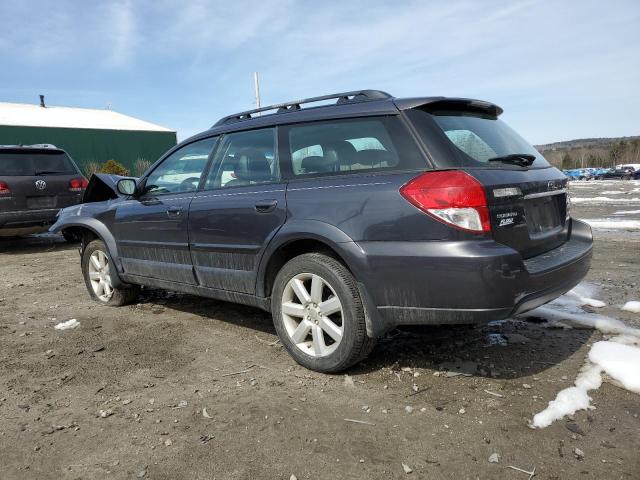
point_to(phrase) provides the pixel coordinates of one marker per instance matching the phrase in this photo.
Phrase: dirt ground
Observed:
(195, 388)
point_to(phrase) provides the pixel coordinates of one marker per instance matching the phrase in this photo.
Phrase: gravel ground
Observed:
(182, 387)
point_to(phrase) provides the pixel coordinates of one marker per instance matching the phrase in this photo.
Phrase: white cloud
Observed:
(119, 28)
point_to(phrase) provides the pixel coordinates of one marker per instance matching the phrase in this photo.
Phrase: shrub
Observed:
(91, 168)
(114, 168)
(141, 166)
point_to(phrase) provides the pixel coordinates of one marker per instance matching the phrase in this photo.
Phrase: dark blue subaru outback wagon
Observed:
(344, 216)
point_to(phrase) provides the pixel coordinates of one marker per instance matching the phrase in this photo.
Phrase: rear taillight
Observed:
(77, 184)
(452, 197)
(4, 189)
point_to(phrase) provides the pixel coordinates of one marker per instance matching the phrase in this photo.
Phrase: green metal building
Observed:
(90, 136)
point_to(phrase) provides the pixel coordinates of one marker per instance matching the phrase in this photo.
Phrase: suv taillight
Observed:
(451, 197)
(4, 189)
(78, 184)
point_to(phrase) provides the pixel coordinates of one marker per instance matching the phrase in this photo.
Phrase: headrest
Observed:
(316, 164)
(342, 152)
(251, 164)
(374, 158)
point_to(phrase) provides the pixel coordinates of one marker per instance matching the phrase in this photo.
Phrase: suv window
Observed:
(245, 158)
(477, 137)
(27, 163)
(181, 171)
(341, 146)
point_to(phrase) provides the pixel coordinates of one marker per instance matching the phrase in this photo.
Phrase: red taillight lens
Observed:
(78, 184)
(4, 189)
(452, 197)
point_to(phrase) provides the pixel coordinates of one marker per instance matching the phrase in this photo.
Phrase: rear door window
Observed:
(25, 163)
(476, 137)
(344, 146)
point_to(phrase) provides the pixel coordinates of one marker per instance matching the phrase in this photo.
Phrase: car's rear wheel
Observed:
(96, 269)
(318, 313)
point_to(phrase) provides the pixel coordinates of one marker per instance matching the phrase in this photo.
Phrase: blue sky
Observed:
(560, 70)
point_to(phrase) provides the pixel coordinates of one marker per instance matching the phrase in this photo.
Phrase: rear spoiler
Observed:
(444, 103)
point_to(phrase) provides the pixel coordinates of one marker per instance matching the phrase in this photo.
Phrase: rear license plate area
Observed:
(42, 202)
(543, 215)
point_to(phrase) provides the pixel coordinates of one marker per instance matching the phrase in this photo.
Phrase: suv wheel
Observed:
(318, 313)
(96, 267)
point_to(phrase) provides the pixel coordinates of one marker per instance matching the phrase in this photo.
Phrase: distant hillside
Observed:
(584, 143)
(592, 152)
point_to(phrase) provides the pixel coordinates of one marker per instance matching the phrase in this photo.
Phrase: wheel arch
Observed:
(90, 229)
(296, 238)
(313, 236)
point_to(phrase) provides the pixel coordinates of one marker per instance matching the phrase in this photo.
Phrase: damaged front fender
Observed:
(103, 186)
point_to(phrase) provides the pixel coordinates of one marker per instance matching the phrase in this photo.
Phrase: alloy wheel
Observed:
(312, 315)
(99, 275)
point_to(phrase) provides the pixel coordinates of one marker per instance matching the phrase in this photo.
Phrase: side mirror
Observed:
(126, 186)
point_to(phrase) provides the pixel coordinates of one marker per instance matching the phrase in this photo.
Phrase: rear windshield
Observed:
(477, 137)
(27, 163)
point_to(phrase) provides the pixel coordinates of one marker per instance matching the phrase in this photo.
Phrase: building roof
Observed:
(29, 115)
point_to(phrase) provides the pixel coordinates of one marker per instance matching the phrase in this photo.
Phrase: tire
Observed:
(112, 296)
(353, 344)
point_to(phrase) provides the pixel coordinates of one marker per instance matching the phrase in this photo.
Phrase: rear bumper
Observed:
(409, 283)
(27, 221)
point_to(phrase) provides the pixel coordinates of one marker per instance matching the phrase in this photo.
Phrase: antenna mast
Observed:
(256, 82)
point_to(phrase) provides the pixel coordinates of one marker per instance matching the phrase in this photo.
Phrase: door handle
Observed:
(266, 206)
(174, 211)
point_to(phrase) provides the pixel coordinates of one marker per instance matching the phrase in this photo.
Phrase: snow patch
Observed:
(579, 291)
(603, 200)
(73, 323)
(621, 362)
(605, 224)
(626, 212)
(618, 357)
(632, 306)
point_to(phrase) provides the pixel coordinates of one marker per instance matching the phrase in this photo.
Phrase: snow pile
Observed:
(633, 306)
(73, 323)
(612, 224)
(603, 200)
(582, 292)
(626, 212)
(618, 357)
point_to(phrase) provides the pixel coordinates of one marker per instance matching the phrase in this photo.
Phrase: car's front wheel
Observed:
(318, 313)
(96, 269)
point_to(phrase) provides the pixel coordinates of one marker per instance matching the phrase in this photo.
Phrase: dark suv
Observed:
(35, 182)
(343, 220)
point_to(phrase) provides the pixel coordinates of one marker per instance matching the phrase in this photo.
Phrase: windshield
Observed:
(26, 163)
(479, 139)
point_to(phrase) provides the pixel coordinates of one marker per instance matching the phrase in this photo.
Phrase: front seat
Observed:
(251, 167)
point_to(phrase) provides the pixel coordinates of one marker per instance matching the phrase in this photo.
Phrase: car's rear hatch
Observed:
(526, 197)
(528, 209)
(34, 179)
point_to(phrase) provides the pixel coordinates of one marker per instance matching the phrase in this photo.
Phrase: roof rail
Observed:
(342, 98)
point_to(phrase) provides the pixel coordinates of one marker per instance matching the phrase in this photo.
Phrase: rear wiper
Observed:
(522, 159)
(48, 172)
